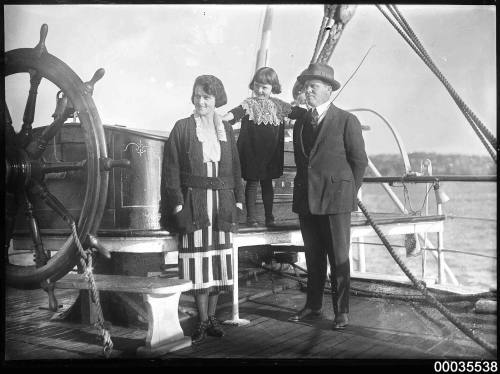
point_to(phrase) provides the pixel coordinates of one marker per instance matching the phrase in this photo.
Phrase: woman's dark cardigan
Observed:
(183, 156)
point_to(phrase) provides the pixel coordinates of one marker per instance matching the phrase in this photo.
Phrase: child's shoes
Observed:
(252, 222)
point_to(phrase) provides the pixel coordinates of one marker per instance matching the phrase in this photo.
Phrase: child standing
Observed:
(261, 140)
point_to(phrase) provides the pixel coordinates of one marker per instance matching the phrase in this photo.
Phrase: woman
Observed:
(202, 191)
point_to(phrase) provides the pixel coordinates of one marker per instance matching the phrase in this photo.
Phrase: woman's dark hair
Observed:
(211, 85)
(266, 75)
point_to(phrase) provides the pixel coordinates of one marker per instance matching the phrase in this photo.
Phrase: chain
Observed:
(407, 199)
(94, 294)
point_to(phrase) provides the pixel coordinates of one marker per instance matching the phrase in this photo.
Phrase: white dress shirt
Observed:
(322, 109)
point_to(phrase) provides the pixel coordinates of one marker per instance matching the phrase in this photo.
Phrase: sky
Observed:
(153, 53)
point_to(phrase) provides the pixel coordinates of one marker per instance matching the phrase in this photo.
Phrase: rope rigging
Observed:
(354, 72)
(335, 19)
(359, 291)
(486, 137)
(421, 286)
(402, 21)
(94, 294)
(397, 14)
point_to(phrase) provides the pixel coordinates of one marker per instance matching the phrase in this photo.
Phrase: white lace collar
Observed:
(266, 111)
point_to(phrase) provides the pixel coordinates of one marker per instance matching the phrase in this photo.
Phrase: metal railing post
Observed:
(426, 169)
(236, 320)
(361, 244)
(440, 239)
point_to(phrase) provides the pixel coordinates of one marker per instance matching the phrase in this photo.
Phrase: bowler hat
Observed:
(319, 71)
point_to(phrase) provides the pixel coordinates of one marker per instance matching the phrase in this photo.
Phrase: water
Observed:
(467, 199)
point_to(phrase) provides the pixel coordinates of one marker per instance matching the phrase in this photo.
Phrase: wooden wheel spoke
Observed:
(40, 48)
(40, 190)
(41, 255)
(89, 86)
(59, 167)
(10, 132)
(25, 134)
(37, 146)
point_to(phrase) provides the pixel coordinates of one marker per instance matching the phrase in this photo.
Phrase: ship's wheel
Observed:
(26, 169)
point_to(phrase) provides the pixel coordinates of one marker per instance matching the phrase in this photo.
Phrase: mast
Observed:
(263, 52)
(335, 19)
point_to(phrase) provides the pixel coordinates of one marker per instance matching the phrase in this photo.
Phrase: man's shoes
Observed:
(270, 221)
(306, 313)
(214, 328)
(200, 332)
(341, 322)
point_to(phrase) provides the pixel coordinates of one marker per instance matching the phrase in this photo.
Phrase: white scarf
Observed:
(209, 135)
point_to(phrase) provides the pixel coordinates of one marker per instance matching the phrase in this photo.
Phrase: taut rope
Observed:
(415, 44)
(421, 286)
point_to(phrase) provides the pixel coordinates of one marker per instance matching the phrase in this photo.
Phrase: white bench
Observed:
(161, 296)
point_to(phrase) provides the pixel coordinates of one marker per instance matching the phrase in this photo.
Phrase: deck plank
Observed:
(265, 349)
(329, 349)
(378, 329)
(235, 337)
(253, 343)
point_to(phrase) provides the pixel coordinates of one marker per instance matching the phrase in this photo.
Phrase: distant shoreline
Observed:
(451, 154)
(442, 163)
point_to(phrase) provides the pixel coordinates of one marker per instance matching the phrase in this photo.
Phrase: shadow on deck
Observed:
(380, 328)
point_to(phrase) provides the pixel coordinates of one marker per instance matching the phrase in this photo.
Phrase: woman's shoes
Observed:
(200, 332)
(210, 327)
(214, 328)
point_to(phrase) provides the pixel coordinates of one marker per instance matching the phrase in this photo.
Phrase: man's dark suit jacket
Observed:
(328, 179)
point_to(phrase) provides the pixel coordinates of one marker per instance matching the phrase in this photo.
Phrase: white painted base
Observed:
(164, 329)
(162, 349)
(237, 322)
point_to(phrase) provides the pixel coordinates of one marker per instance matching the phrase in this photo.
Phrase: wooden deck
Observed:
(380, 328)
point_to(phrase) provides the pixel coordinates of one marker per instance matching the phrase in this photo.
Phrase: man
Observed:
(331, 160)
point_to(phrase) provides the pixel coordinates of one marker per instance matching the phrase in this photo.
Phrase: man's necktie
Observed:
(314, 119)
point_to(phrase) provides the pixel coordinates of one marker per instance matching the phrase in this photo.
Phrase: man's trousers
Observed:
(327, 235)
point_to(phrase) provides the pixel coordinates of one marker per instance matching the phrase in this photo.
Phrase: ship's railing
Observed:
(424, 176)
(437, 251)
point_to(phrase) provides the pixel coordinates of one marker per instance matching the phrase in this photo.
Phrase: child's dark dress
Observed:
(262, 137)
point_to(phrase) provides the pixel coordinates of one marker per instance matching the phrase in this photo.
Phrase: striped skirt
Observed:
(205, 256)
